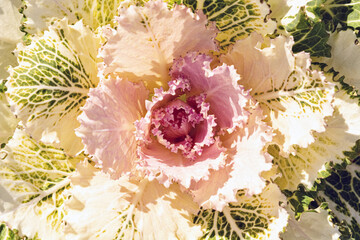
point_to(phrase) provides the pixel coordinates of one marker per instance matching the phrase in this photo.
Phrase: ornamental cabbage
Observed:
(179, 119)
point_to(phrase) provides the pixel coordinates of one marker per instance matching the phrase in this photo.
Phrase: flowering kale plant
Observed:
(185, 119)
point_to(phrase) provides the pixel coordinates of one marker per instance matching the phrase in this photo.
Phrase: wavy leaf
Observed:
(295, 98)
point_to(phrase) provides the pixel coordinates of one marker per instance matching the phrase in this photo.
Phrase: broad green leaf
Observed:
(102, 208)
(344, 57)
(52, 81)
(342, 131)
(332, 12)
(310, 22)
(39, 14)
(251, 217)
(295, 98)
(314, 225)
(341, 191)
(8, 122)
(235, 19)
(10, 34)
(34, 178)
(309, 36)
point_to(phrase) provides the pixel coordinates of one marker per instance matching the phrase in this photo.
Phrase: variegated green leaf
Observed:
(333, 12)
(51, 83)
(235, 19)
(40, 13)
(34, 178)
(310, 22)
(343, 130)
(341, 190)
(309, 36)
(252, 217)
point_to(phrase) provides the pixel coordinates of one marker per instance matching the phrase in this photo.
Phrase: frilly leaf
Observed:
(244, 166)
(52, 81)
(295, 98)
(107, 124)
(147, 39)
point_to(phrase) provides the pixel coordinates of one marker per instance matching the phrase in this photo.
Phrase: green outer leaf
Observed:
(34, 178)
(309, 36)
(39, 14)
(331, 12)
(341, 190)
(252, 217)
(235, 19)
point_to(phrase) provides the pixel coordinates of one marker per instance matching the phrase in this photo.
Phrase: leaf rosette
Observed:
(170, 123)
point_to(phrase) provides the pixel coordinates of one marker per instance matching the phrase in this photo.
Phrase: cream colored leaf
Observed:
(311, 226)
(344, 56)
(102, 208)
(10, 33)
(147, 40)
